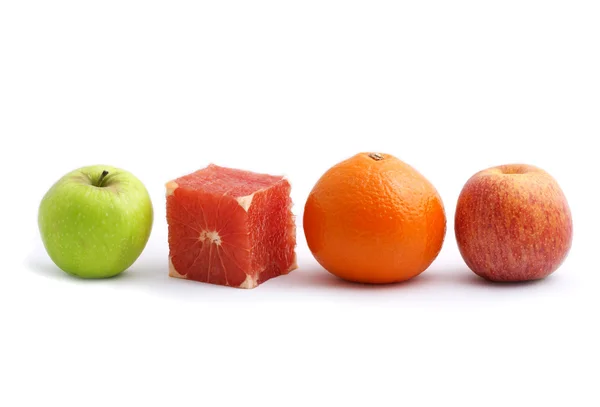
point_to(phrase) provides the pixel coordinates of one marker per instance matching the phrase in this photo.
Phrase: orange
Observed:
(374, 219)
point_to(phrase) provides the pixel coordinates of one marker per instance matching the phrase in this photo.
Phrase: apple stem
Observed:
(102, 176)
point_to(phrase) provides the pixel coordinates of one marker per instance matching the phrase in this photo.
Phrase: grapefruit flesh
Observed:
(230, 227)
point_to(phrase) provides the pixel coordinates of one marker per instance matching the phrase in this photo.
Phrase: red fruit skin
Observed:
(513, 223)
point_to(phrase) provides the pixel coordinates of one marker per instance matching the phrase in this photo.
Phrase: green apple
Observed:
(95, 221)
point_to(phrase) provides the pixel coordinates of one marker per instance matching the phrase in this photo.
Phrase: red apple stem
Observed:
(102, 176)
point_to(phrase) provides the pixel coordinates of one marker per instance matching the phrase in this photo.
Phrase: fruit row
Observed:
(371, 218)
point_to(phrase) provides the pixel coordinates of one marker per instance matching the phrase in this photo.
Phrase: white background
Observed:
(164, 88)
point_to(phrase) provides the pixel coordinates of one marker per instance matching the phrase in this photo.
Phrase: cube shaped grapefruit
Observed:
(230, 227)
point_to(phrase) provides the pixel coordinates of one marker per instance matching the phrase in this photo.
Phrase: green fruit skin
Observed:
(95, 232)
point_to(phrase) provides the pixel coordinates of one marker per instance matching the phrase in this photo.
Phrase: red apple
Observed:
(513, 223)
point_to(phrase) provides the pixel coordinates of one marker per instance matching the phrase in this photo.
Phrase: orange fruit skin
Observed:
(374, 221)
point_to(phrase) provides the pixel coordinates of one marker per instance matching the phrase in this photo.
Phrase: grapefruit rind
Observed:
(249, 282)
(245, 201)
(171, 187)
(294, 264)
(173, 271)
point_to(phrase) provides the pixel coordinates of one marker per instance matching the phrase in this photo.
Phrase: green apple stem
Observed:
(102, 176)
